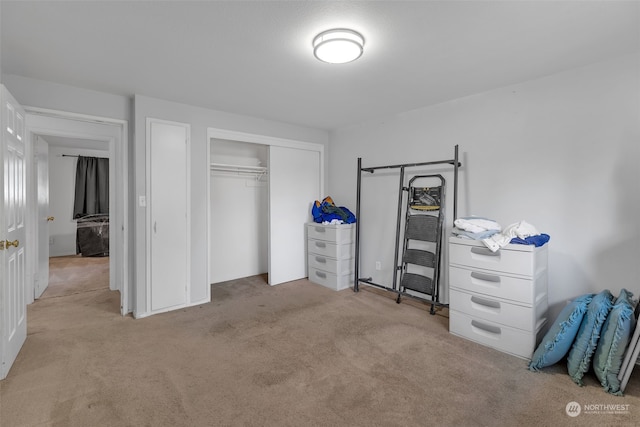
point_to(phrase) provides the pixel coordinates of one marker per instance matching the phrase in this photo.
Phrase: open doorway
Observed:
(68, 135)
(78, 246)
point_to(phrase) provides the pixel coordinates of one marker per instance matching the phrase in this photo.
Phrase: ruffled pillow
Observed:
(579, 359)
(558, 339)
(615, 336)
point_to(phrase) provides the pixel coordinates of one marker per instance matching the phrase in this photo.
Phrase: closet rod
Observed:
(239, 170)
(75, 155)
(233, 168)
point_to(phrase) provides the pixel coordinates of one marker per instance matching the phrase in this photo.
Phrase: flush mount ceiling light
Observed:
(338, 46)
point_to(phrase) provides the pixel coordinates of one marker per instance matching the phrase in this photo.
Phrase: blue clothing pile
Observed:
(327, 211)
(537, 241)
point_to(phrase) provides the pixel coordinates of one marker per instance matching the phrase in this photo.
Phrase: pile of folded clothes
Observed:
(494, 236)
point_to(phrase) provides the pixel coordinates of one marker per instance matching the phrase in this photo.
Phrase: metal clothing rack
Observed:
(402, 290)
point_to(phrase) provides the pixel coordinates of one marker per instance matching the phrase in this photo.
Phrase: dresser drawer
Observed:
(331, 265)
(520, 261)
(331, 250)
(338, 233)
(330, 280)
(497, 285)
(494, 335)
(496, 310)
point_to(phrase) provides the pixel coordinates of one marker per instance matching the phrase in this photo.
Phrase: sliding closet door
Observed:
(294, 184)
(168, 151)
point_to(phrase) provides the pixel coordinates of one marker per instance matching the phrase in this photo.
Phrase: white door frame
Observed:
(41, 121)
(230, 135)
(41, 215)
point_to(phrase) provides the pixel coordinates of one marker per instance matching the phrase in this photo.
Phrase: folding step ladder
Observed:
(420, 268)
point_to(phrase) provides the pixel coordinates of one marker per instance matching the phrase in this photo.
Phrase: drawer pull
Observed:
(485, 277)
(486, 328)
(320, 230)
(485, 302)
(321, 245)
(321, 260)
(484, 251)
(321, 275)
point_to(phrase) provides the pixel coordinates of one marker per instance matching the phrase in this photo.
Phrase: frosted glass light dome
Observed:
(338, 46)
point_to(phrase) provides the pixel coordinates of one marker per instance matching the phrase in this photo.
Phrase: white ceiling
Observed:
(255, 58)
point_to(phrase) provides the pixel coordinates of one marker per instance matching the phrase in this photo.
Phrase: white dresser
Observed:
(330, 252)
(498, 299)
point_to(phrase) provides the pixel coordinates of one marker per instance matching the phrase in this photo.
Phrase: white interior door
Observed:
(294, 184)
(42, 222)
(168, 148)
(13, 324)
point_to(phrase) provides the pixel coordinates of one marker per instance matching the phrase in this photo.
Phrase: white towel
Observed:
(476, 225)
(520, 229)
(333, 222)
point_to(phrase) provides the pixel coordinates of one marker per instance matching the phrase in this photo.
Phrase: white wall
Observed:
(561, 152)
(55, 96)
(1, 45)
(1, 78)
(239, 206)
(62, 178)
(200, 119)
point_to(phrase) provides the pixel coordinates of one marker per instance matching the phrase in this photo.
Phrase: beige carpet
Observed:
(74, 274)
(291, 355)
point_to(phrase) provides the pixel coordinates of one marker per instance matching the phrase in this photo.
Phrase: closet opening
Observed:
(239, 211)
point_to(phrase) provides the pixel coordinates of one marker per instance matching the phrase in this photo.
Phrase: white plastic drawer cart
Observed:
(498, 299)
(330, 254)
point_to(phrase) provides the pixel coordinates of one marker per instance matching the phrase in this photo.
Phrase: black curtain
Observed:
(92, 187)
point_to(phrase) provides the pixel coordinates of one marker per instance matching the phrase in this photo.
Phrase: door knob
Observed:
(9, 243)
(1, 245)
(51, 218)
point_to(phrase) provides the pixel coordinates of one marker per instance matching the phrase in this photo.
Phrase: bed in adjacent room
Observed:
(92, 235)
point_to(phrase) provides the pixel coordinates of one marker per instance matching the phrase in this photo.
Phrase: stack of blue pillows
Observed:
(593, 325)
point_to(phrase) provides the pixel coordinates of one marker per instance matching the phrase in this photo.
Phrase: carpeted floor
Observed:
(296, 354)
(75, 274)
